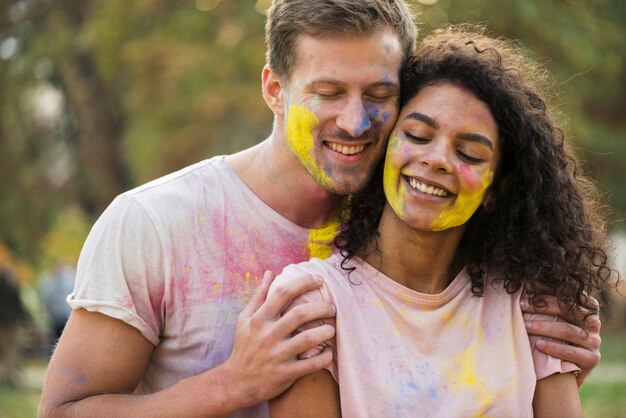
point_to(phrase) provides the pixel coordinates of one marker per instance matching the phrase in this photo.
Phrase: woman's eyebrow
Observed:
(423, 118)
(476, 138)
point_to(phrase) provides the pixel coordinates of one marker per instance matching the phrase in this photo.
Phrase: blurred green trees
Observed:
(99, 96)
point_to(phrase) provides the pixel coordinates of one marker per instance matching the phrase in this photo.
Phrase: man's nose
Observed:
(354, 118)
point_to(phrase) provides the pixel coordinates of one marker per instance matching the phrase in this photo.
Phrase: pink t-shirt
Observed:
(401, 353)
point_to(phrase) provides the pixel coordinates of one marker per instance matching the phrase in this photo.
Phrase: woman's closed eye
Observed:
(468, 158)
(416, 139)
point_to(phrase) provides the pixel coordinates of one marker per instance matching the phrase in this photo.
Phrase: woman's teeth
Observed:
(424, 188)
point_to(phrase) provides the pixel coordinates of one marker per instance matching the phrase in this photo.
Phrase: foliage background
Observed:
(100, 96)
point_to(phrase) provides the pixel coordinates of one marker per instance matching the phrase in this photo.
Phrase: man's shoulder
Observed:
(193, 176)
(175, 196)
(190, 188)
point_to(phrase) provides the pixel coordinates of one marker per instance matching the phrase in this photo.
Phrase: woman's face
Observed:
(441, 157)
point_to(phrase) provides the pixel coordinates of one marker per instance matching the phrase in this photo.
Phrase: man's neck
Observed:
(278, 178)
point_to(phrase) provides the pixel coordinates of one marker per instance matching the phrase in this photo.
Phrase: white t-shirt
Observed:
(179, 257)
(401, 353)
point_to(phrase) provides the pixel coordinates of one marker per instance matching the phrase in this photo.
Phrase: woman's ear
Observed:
(273, 91)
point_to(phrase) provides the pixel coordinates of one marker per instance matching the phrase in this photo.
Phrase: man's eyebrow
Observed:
(423, 118)
(319, 81)
(477, 138)
(332, 81)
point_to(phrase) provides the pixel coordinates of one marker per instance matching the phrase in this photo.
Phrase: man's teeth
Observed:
(427, 189)
(346, 150)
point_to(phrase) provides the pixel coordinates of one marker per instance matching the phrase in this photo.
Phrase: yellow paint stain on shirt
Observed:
(320, 241)
(464, 378)
(300, 124)
(217, 287)
(464, 206)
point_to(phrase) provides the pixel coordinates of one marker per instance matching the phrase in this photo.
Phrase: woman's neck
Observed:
(424, 261)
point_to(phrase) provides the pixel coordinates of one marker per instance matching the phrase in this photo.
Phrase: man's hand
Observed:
(264, 360)
(578, 346)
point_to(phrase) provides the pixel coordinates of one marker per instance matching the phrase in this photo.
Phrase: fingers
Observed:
(304, 313)
(566, 332)
(285, 292)
(309, 339)
(259, 295)
(312, 364)
(553, 306)
(584, 358)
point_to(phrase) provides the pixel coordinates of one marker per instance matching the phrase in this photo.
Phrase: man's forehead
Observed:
(334, 48)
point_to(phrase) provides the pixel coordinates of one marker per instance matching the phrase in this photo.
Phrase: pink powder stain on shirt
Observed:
(247, 254)
(127, 302)
(181, 288)
(156, 298)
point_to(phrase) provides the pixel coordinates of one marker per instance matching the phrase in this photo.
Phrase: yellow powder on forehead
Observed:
(464, 206)
(320, 241)
(300, 124)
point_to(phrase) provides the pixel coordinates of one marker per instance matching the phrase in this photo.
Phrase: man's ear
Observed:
(273, 91)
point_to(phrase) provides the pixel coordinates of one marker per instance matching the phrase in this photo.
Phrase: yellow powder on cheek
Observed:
(391, 180)
(464, 206)
(300, 124)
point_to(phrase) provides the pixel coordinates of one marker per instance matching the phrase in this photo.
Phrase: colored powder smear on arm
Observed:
(300, 124)
(464, 207)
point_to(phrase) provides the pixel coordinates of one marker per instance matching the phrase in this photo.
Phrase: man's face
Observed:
(341, 102)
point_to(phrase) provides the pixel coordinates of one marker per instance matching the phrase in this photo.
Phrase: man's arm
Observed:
(313, 396)
(577, 346)
(100, 360)
(557, 396)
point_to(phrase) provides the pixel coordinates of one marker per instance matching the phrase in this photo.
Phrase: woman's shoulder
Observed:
(328, 268)
(335, 278)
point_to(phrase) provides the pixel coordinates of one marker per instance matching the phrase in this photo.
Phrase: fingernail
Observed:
(540, 344)
(318, 279)
(524, 304)
(334, 309)
(528, 324)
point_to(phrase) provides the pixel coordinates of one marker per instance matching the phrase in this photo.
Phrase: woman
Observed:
(479, 202)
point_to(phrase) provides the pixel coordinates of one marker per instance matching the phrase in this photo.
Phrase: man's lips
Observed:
(345, 149)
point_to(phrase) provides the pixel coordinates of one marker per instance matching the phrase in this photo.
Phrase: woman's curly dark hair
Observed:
(544, 228)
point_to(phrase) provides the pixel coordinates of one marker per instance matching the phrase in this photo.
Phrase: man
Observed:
(166, 320)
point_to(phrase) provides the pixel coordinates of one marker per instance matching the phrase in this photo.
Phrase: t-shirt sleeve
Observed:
(546, 365)
(295, 272)
(121, 268)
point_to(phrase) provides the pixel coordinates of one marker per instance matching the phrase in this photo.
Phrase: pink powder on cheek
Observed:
(469, 177)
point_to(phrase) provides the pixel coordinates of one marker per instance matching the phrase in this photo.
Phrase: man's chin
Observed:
(345, 187)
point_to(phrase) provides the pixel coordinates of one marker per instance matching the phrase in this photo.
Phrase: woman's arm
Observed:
(557, 396)
(315, 395)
